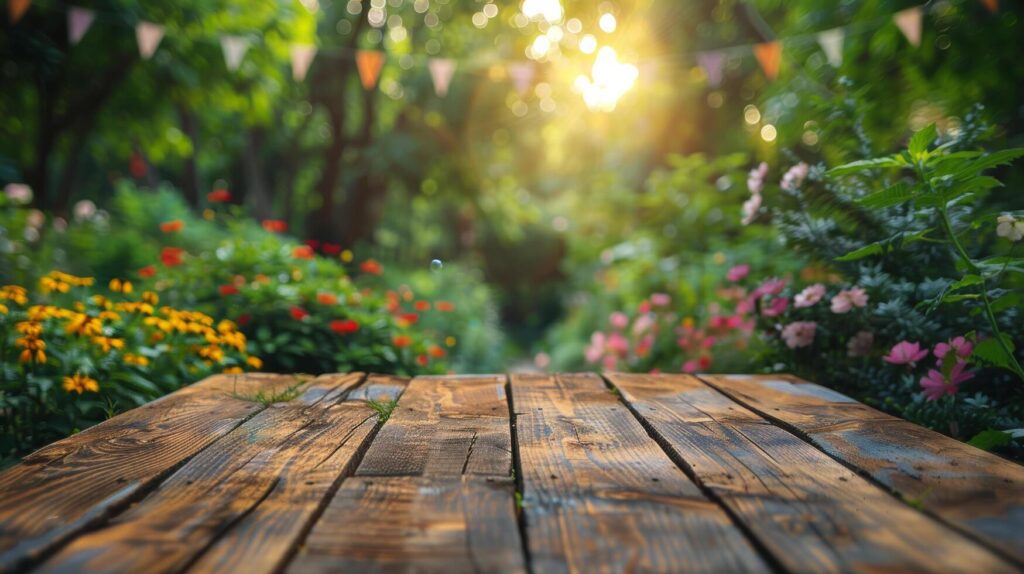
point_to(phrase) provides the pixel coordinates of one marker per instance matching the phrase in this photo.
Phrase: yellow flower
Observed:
(346, 256)
(15, 293)
(121, 286)
(138, 360)
(80, 383)
(81, 324)
(32, 329)
(3, 309)
(233, 370)
(150, 297)
(255, 362)
(450, 341)
(32, 349)
(108, 343)
(109, 316)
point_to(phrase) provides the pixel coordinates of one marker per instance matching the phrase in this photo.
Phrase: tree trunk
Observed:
(69, 179)
(257, 192)
(191, 183)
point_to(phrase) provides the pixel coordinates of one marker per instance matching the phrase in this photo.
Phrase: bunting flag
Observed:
(16, 9)
(832, 44)
(769, 55)
(712, 63)
(369, 63)
(148, 35)
(302, 57)
(521, 74)
(992, 5)
(909, 22)
(441, 72)
(79, 21)
(234, 48)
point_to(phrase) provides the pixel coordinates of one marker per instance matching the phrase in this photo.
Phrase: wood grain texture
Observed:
(977, 491)
(599, 494)
(416, 524)
(445, 426)
(241, 504)
(811, 512)
(67, 486)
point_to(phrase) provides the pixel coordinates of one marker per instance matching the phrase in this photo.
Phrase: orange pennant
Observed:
(992, 5)
(369, 63)
(769, 55)
(17, 8)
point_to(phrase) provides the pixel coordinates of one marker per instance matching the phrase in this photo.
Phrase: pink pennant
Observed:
(441, 72)
(713, 63)
(79, 21)
(148, 35)
(302, 57)
(369, 63)
(909, 22)
(522, 75)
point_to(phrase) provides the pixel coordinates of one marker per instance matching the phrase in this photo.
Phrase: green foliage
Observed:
(266, 398)
(383, 408)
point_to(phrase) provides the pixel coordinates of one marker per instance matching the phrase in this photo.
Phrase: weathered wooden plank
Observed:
(599, 494)
(972, 489)
(445, 426)
(242, 504)
(416, 524)
(67, 486)
(809, 511)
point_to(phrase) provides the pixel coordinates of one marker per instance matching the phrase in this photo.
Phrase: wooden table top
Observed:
(517, 473)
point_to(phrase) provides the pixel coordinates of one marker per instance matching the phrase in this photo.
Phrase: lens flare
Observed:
(609, 80)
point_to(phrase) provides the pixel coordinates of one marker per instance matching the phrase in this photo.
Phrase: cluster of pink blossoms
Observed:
(936, 382)
(625, 342)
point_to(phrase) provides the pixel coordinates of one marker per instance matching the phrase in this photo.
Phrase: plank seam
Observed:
(517, 469)
(806, 437)
(762, 550)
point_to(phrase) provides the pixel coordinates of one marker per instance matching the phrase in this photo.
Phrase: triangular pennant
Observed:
(521, 74)
(302, 57)
(79, 21)
(148, 36)
(441, 72)
(909, 22)
(769, 55)
(992, 5)
(832, 44)
(234, 48)
(369, 63)
(713, 63)
(17, 8)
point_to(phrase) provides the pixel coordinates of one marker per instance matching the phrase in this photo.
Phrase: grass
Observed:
(267, 398)
(382, 408)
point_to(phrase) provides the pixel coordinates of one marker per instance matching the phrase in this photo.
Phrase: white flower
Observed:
(755, 180)
(18, 193)
(795, 177)
(1010, 227)
(84, 210)
(750, 208)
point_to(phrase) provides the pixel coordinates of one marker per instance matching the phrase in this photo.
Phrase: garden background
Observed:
(425, 186)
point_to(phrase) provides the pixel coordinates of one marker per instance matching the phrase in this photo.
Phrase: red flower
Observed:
(137, 166)
(171, 256)
(436, 351)
(275, 225)
(218, 196)
(172, 226)
(401, 341)
(422, 306)
(344, 326)
(303, 252)
(312, 243)
(444, 306)
(326, 299)
(331, 248)
(422, 360)
(410, 318)
(372, 267)
(226, 290)
(705, 362)
(244, 319)
(147, 271)
(298, 313)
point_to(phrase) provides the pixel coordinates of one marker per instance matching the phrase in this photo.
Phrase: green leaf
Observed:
(884, 246)
(989, 352)
(890, 196)
(990, 439)
(920, 141)
(993, 159)
(866, 164)
(966, 281)
(958, 189)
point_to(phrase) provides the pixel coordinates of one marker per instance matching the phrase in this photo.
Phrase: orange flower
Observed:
(171, 256)
(218, 196)
(422, 306)
(326, 299)
(226, 290)
(275, 225)
(172, 226)
(436, 351)
(147, 271)
(444, 306)
(422, 360)
(303, 252)
(344, 326)
(401, 341)
(371, 266)
(410, 318)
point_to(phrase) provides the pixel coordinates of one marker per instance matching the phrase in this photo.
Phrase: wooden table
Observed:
(519, 473)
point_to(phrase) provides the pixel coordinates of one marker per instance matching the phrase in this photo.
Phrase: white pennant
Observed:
(79, 21)
(832, 44)
(234, 48)
(521, 74)
(302, 57)
(909, 22)
(148, 36)
(441, 72)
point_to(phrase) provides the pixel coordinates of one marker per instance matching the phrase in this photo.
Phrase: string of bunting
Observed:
(369, 63)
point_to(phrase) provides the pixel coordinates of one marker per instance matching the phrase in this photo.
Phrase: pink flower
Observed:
(738, 273)
(690, 366)
(799, 334)
(905, 353)
(644, 307)
(609, 362)
(771, 286)
(745, 306)
(809, 296)
(847, 299)
(643, 324)
(595, 349)
(935, 384)
(751, 207)
(617, 344)
(961, 346)
(860, 344)
(795, 177)
(618, 320)
(776, 307)
(755, 180)
(660, 299)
